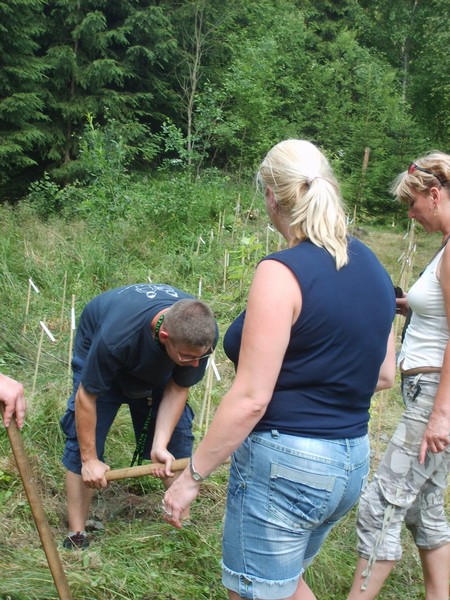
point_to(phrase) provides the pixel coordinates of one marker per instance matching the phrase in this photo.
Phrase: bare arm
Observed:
(12, 395)
(93, 470)
(274, 304)
(386, 376)
(169, 412)
(436, 437)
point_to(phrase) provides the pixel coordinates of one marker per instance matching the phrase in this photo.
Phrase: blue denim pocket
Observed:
(298, 499)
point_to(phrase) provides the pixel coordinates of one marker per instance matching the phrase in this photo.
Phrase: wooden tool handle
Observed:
(178, 465)
(37, 508)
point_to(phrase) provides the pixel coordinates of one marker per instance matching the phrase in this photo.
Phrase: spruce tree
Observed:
(22, 72)
(106, 60)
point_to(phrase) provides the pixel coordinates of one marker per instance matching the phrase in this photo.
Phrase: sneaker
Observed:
(77, 540)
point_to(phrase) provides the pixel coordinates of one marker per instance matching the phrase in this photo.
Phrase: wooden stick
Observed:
(27, 307)
(44, 329)
(178, 465)
(206, 397)
(115, 474)
(36, 368)
(237, 211)
(63, 303)
(72, 329)
(31, 490)
(225, 265)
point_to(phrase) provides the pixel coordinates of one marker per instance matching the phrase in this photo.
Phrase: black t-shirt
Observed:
(115, 341)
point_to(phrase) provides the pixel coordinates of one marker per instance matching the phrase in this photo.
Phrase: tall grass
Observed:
(175, 233)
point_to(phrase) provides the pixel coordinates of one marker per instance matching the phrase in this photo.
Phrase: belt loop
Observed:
(417, 378)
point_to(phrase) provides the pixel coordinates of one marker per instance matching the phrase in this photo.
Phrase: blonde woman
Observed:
(313, 346)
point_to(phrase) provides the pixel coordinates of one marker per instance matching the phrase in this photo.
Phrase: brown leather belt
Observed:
(420, 370)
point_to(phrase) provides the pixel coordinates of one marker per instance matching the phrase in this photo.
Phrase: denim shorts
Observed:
(403, 490)
(285, 494)
(181, 442)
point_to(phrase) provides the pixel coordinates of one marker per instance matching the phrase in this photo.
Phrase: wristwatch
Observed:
(194, 473)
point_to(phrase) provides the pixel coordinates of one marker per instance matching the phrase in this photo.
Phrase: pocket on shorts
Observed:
(298, 499)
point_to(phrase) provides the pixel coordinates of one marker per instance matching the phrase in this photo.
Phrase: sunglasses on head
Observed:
(413, 167)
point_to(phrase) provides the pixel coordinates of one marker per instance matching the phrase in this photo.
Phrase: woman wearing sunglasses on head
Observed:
(411, 479)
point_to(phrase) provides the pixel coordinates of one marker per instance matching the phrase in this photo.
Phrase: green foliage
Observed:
(105, 60)
(44, 196)
(193, 86)
(22, 105)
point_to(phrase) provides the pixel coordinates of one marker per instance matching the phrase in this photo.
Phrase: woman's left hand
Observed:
(436, 437)
(178, 497)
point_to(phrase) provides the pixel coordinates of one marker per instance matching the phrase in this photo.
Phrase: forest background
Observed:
(211, 85)
(130, 132)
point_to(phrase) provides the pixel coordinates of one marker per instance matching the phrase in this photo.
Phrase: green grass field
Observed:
(137, 556)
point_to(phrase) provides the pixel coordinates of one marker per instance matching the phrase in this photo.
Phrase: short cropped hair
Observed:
(438, 163)
(307, 191)
(191, 322)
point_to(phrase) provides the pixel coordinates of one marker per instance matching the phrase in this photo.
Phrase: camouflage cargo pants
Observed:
(404, 490)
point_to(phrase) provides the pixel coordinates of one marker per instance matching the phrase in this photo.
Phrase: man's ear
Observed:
(163, 336)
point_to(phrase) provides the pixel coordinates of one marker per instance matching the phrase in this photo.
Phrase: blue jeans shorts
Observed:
(181, 442)
(285, 494)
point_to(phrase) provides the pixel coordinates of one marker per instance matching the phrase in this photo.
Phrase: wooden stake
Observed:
(36, 368)
(407, 259)
(30, 285)
(237, 211)
(206, 398)
(72, 329)
(219, 226)
(63, 301)
(199, 241)
(31, 490)
(44, 329)
(225, 266)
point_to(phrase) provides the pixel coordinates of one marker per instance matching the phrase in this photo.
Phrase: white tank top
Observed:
(427, 334)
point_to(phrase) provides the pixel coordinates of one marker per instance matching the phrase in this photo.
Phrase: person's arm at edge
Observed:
(93, 470)
(274, 304)
(386, 376)
(12, 395)
(436, 437)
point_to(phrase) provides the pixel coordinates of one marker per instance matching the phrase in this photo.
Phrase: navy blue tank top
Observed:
(337, 345)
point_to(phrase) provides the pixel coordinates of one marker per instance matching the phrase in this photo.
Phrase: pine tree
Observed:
(106, 60)
(22, 72)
